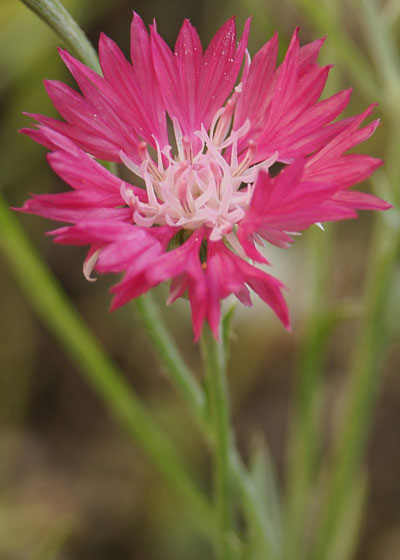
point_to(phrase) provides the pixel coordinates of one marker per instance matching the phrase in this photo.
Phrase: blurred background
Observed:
(72, 486)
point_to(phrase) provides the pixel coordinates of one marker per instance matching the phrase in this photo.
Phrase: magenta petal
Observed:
(178, 260)
(96, 144)
(184, 263)
(309, 53)
(269, 289)
(286, 82)
(98, 121)
(170, 82)
(195, 86)
(361, 201)
(227, 273)
(86, 175)
(188, 56)
(256, 89)
(221, 65)
(348, 170)
(55, 208)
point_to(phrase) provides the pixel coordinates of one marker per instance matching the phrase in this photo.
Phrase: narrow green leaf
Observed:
(53, 307)
(56, 16)
(226, 329)
(345, 544)
(265, 481)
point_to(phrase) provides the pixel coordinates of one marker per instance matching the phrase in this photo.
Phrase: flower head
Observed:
(198, 133)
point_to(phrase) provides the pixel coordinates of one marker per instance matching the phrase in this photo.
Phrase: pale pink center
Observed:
(212, 187)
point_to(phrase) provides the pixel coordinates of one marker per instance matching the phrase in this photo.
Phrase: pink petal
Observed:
(188, 56)
(361, 201)
(196, 86)
(85, 139)
(221, 65)
(256, 89)
(55, 208)
(309, 53)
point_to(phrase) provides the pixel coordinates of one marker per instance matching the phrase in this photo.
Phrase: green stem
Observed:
(325, 16)
(57, 17)
(361, 395)
(181, 376)
(382, 45)
(220, 422)
(51, 305)
(63, 24)
(305, 436)
(254, 508)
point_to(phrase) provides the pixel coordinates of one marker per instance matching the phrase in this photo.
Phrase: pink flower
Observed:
(197, 134)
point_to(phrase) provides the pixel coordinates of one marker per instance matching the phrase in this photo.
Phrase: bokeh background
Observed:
(72, 486)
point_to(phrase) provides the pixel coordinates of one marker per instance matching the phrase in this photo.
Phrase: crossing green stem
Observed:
(61, 21)
(214, 362)
(53, 307)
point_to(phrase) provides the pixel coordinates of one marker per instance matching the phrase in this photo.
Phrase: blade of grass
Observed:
(325, 17)
(382, 44)
(55, 310)
(251, 501)
(58, 18)
(305, 436)
(345, 544)
(373, 337)
(264, 478)
(181, 376)
(220, 424)
(53, 13)
(361, 395)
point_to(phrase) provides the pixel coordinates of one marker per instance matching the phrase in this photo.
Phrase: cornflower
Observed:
(221, 155)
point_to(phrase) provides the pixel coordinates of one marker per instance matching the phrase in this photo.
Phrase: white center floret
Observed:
(212, 188)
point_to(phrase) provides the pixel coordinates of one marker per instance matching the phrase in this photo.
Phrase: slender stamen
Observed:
(190, 189)
(151, 166)
(178, 137)
(224, 123)
(248, 158)
(89, 264)
(187, 148)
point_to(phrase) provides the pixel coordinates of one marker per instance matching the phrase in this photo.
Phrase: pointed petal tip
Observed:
(113, 305)
(102, 38)
(247, 24)
(116, 302)
(17, 208)
(24, 130)
(27, 206)
(196, 336)
(285, 317)
(137, 20)
(197, 330)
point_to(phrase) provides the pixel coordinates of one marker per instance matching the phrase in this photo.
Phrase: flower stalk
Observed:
(63, 24)
(218, 400)
(178, 371)
(54, 14)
